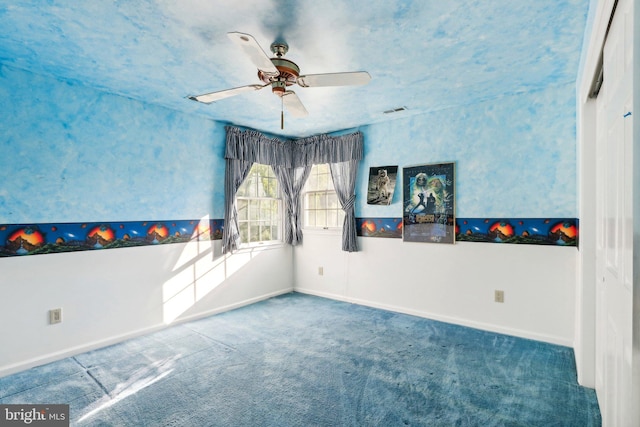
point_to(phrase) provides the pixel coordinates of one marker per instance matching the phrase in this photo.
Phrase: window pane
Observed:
(267, 185)
(274, 212)
(270, 187)
(243, 209)
(254, 233)
(255, 182)
(321, 218)
(312, 182)
(323, 182)
(323, 168)
(251, 185)
(258, 204)
(311, 201)
(244, 231)
(332, 219)
(242, 190)
(266, 210)
(322, 201)
(254, 210)
(310, 218)
(265, 233)
(332, 201)
(259, 188)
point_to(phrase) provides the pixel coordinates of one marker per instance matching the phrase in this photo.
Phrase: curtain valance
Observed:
(291, 161)
(254, 146)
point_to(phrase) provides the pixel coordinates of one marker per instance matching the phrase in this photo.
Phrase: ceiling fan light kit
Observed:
(280, 73)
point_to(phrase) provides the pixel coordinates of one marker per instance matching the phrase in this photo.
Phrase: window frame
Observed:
(329, 189)
(244, 194)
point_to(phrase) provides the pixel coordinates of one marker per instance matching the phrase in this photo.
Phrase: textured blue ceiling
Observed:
(425, 55)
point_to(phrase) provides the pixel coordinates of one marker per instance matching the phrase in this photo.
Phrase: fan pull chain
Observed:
(281, 113)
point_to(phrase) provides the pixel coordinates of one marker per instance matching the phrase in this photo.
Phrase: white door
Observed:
(614, 222)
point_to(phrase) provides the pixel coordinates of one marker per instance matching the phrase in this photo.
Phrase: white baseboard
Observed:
(233, 306)
(447, 319)
(52, 357)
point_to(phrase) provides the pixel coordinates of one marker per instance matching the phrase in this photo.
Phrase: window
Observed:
(320, 202)
(259, 206)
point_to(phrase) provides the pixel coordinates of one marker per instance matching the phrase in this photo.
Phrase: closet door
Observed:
(614, 222)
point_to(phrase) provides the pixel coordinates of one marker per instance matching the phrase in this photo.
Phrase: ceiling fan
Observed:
(280, 73)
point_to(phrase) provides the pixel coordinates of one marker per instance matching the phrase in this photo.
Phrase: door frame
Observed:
(600, 14)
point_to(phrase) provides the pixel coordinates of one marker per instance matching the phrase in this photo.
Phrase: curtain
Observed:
(291, 181)
(343, 175)
(291, 161)
(243, 149)
(235, 173)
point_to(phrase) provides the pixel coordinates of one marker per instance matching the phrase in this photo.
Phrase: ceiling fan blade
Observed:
(335, 79)
(208, 98)
(253, 50)
(293, 104)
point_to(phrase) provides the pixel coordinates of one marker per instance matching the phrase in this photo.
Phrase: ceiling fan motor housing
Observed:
(288, 75)
(279, 87)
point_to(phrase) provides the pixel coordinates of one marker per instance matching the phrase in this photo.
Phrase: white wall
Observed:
(111, 295)
(451, 283)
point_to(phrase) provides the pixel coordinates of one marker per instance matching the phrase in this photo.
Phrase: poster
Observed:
(429, 203)
(382, 182)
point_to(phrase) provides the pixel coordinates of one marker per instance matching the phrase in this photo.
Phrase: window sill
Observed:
(261, 245)
(323, 231)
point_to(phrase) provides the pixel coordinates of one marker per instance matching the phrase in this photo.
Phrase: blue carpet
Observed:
(298, 360)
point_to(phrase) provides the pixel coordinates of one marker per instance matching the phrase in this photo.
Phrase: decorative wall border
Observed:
(379, 227)
(532, 231)
(48, 238)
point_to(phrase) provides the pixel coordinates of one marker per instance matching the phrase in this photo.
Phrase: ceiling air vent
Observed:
(395, 110)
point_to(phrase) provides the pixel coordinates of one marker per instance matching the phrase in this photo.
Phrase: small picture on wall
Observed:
(429, 203)
(382, 181)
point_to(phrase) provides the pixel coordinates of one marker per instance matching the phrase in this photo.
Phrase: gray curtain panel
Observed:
(235, 173)
(291, 161)
(291, 181)
(343, 175)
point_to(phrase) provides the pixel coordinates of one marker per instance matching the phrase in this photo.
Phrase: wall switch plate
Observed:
(320, 271)
(55, 316)
(499, 296)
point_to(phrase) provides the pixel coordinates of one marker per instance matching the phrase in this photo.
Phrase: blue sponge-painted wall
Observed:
(69, 153)
(515, 156)
(515, 167)
(72, 156)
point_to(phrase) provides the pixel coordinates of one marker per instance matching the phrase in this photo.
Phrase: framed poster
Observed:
(429, 203)
(382, 182)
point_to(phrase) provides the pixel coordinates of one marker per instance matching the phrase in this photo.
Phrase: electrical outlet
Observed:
(320, 271)
(55, 316)
(499, 296)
